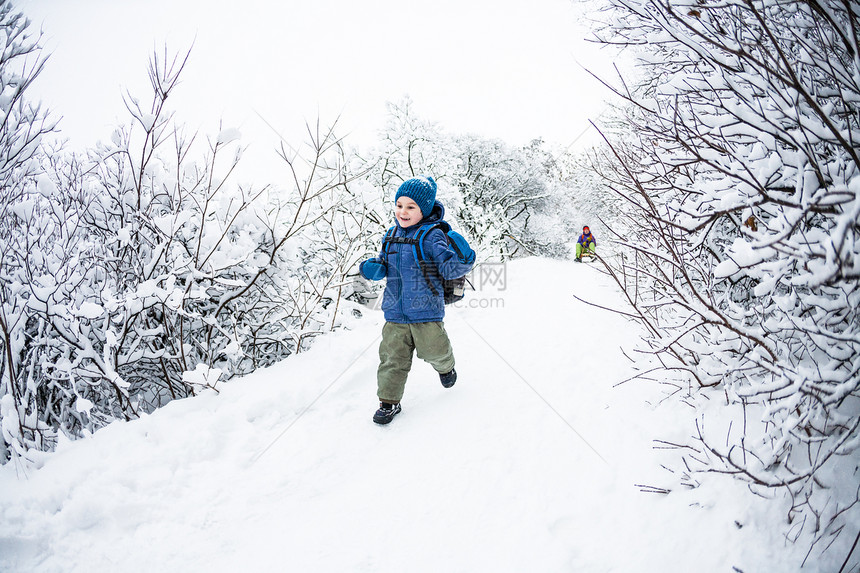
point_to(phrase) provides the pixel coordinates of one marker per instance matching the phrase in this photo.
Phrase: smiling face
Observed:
(406, 212)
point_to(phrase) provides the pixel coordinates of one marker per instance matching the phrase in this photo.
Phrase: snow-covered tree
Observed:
(590, 201)
(145, 274)
(740, 172)
(501, 196)
(22, 126)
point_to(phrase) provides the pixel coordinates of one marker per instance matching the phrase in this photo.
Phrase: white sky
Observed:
(507, 69)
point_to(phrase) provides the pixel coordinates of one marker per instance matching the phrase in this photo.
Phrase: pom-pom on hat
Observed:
(420, 189)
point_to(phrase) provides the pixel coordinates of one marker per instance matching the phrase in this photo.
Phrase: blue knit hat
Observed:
(420, 189)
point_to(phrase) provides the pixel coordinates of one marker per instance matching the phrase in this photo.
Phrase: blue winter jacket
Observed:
(407, 298)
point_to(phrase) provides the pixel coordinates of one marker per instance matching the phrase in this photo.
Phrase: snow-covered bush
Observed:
(741, 173)
(590, 200)
(502, 197)
(502, 191)
(21, 129)
(145, 275)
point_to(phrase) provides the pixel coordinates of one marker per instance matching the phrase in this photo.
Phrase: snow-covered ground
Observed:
(529, 463)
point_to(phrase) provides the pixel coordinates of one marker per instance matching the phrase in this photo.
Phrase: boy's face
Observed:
(406, 212)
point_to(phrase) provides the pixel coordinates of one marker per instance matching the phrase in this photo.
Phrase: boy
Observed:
(586, 244)
(413, 301)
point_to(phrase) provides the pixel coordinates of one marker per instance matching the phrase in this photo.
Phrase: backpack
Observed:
(453, 289)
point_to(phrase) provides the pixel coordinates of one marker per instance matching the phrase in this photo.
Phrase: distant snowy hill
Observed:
(529, 463)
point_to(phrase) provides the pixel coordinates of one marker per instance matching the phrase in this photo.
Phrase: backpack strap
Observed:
(388, 239)
(428, 269)
(424, 231)
(389, 234)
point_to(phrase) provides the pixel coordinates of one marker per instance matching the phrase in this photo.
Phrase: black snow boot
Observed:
(448, 379)
(578, 259)
(386, 412)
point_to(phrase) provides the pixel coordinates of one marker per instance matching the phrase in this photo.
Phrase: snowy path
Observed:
(527, 464)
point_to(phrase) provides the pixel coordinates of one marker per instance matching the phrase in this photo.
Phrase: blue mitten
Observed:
(462, 248)
(373, 269)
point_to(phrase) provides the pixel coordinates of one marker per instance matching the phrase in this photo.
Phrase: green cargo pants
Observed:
(590, 249)
(399, 341)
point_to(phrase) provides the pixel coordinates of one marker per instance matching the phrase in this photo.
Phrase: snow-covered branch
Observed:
(740, 175)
